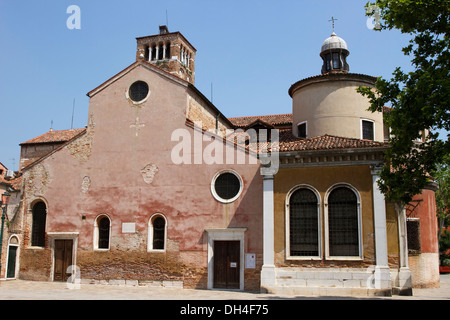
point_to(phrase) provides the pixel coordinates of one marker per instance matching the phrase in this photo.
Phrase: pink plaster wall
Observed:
(180, 192)
(426, 212)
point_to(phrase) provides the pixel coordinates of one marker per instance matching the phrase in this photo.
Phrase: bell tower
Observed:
(334, 54)
(169, 51)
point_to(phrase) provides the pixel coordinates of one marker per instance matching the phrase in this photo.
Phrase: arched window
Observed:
(39, 213)
(161, 52)
(157, 233)
(168, 50)
(343, 223)
(304, 224)
(102, 232)
(154, 57)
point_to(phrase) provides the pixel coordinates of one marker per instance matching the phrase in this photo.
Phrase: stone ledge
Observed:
(135, 283)
(329, 291)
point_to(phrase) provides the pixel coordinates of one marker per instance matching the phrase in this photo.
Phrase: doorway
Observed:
(63, 259)
(227, 264)
(13, 247)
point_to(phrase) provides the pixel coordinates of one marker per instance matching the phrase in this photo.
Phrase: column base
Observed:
(382, 277)
(268, 279)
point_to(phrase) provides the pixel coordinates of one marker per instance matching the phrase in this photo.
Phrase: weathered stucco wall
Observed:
(424, 265)
(122, 167)
(323, 178)
(332, 106)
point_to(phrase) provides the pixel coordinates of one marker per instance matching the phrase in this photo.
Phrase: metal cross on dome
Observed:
(332, 20)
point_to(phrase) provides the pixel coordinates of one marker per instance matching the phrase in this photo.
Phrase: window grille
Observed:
(227, 186)
(367, 128)
(38, 227)
(413, 236)
(138, 91)
(343, 223)
(303, 223)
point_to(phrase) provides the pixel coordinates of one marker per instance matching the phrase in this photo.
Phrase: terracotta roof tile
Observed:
(55, 136)
(288, 142)
(16, 183)
(276, 119)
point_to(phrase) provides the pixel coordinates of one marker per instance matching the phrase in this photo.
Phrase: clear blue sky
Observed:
(251, 50)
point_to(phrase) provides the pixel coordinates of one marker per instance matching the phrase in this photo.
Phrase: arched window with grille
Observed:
(157, 233)
(343, 223)
(39, 213)
(303, 218)
(102, 233)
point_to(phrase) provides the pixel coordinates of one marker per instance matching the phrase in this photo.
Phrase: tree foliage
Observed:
(419, 100)
(442, 176)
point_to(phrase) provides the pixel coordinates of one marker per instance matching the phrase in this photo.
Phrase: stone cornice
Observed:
(362, 78)
(347, 157)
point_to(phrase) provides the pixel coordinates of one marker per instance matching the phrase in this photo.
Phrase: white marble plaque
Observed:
(129, 227)
(250, 262)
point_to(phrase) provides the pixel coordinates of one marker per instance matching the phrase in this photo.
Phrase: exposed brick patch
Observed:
(140, 266)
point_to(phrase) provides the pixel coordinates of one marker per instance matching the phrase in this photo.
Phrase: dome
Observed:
(334, 42)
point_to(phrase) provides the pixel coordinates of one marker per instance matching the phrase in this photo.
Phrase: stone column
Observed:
(382, 271)
(157, 53)
(150, 52)
(164, 51)
(404, 275)
(268, 277)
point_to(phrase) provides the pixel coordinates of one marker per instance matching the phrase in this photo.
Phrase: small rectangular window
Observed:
(413, 234)
(367, 130)
(302, 130)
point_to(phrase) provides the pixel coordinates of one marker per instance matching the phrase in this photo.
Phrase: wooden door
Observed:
(11, 269)
(63, 259)
(226, 264)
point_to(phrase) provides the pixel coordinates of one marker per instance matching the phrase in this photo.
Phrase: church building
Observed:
(162, 189)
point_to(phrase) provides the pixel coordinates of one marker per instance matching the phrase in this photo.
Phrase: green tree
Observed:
(419, 99)
(442, 176)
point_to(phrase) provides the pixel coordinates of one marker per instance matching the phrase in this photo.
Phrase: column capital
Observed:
(268, 177)
(376, 168)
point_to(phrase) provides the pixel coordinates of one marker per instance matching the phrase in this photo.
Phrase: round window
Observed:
(138, 91)
(226, 186)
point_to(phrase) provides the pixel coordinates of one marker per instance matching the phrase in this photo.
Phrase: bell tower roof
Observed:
(334, 53)
(334, 42)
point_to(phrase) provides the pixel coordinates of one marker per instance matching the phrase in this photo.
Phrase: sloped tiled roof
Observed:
(55, 136)
(288, 142)
(16, 183)
(276, 119)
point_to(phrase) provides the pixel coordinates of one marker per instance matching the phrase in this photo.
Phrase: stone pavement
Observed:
(29, 290)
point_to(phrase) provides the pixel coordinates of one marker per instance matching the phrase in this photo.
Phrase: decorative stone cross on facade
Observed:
(137, 126)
